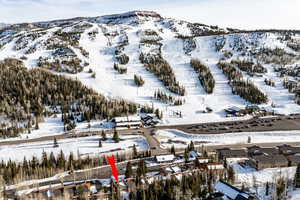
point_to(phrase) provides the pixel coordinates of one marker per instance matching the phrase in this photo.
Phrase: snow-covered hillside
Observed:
(88, 49)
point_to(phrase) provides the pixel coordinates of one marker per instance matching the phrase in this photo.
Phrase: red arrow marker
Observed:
(111, 161)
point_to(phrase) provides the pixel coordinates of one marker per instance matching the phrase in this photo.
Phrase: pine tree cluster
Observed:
(269, 82)
(206, 78)
(138, 80)
(122, 59)
(196, 185)
(161, 68)
(159, 95)
(249, 66)
(26, 95)
(50, 165)
(277, 56)
(47, 166)
(121, 70)
(72, 66)
(244, 89)
(294, 44)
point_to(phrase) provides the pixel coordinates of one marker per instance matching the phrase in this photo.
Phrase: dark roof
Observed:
(222, 149)
(253, 147)
(259, 150)
(294, 158)
(270, 159)
(269, 151)
(241, 197)
(290, 150)
(233, 152)
(263, 159)
(283, 146)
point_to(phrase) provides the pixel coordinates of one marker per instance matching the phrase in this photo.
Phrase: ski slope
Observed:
(111, 31)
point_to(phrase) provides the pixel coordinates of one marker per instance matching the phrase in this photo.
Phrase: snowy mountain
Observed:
(138, 54)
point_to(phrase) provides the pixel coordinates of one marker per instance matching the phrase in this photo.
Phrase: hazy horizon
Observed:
(243, 14)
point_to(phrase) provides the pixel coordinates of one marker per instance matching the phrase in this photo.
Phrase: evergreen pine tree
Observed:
(186, 155)
(114, 191)
(191, 146)
(267, 189)
(100, 143)
(44, 159)
(172, 150)
(36, 124)
(197, 163)
(135, 154)
(116, 137)
(52, 160)
(128, 172)
(103, 135)
(55, 144)
(142, 169)
(61, 160)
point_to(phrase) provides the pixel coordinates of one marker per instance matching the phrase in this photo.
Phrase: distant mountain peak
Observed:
(135, 13)
(118, 18)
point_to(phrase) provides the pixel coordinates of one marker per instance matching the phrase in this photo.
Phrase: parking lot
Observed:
(272, 123)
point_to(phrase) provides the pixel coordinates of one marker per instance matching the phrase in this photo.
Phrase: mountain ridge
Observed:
(145, 58)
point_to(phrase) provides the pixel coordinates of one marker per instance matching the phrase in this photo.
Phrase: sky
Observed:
(244, 14)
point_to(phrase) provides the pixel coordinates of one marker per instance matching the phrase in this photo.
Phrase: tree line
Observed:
(205, 76)
(159, 95)
(49, 165)
(245, 89)
(162, 69)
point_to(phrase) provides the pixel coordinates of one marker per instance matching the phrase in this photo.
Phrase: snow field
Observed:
(81, 146)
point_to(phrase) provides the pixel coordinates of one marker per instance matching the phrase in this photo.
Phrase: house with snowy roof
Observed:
(232, 193)
(165, 158)
(127, 122)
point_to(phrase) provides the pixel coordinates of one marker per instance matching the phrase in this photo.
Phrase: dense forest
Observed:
(206, 78)
(29, 95)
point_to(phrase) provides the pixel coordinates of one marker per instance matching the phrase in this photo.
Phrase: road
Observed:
(281, 123)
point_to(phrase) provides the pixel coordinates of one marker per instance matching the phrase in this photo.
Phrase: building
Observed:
(231, 153)
(266, 161)
(127, 122)
(233, 111)
(288, 150)
(213, 166)
(232, 193)
(150, 120)
(193, 155)
(252, 107)
(256, 150)
(165, 158)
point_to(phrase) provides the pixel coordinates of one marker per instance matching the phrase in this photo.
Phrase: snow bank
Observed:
(227, 138)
